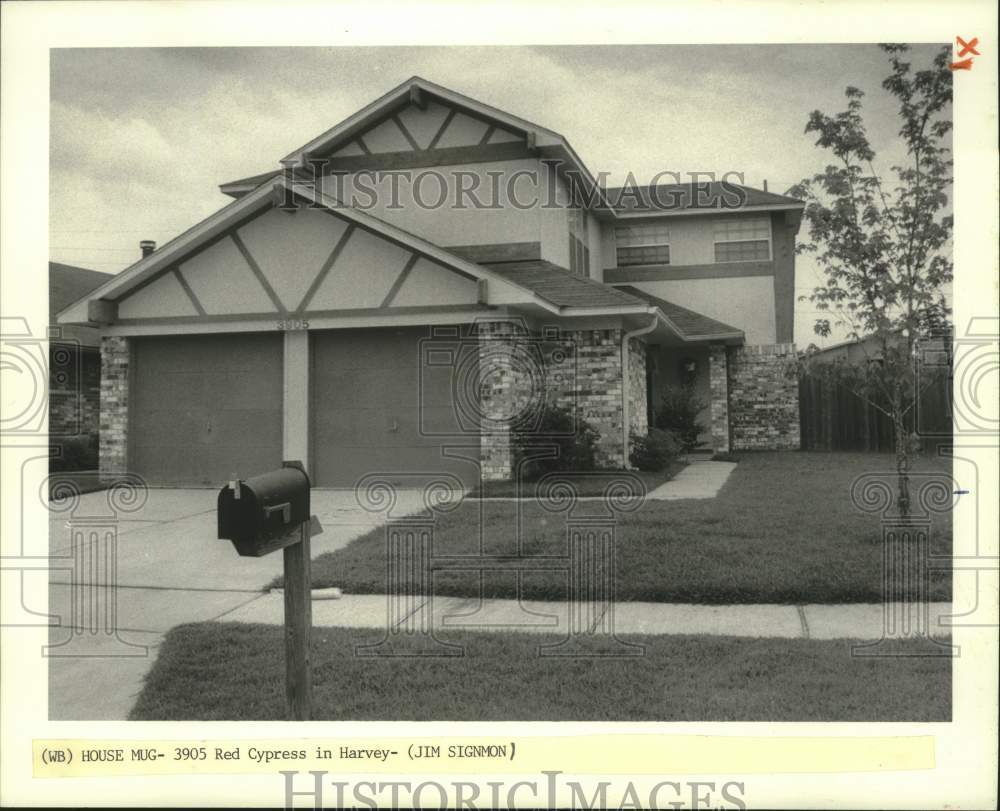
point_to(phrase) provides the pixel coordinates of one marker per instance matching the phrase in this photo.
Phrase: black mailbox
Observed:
(263, 514)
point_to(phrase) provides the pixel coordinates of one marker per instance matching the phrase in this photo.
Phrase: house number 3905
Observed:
(293, 324)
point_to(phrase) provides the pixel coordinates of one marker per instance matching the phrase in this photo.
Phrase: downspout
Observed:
(628, 336)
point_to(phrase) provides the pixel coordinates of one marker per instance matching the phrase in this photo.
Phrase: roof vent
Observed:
(147, 246)
(765, 185)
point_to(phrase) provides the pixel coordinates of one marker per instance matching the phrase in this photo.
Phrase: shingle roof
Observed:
(565, 289)
(690, 323)
(709, 196)
(561, 287)
(68, 284)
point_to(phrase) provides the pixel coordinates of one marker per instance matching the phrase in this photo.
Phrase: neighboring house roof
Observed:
(562, 287)
(714, 196)
(691, 325)
(67, 284)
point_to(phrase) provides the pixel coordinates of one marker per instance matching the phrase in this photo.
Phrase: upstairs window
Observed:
(642, 244)
(579, 250)
(742, 239)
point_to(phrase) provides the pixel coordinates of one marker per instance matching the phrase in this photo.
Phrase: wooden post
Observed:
(298, 622)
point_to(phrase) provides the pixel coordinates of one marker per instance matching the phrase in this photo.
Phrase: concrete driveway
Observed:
(171, 569)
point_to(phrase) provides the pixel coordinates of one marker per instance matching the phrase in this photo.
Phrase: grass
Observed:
(585, 484)
(232, 671)
(782, 530)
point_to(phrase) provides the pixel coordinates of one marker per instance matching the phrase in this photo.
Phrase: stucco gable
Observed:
(252, 259)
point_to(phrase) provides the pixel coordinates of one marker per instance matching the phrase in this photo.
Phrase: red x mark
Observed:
(967, 47)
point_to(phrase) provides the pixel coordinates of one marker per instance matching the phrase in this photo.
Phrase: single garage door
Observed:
(205, 408)
(378, 406)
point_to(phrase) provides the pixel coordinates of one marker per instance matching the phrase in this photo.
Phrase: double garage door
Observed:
(207, 408)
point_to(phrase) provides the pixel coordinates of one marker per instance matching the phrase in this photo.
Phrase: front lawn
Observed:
(235, 672)
(588, 484)
(782, 530)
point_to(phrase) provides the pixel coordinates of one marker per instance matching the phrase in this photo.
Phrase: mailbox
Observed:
(264, 513)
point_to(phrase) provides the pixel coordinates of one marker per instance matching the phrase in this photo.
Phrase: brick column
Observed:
(505, 387)
(114, 405)
(719, 407)
(765, 398)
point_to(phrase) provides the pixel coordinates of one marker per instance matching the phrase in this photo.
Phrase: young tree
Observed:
(882, 245)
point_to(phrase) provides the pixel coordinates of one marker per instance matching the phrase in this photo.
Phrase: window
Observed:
(579, 250)
(644, 244)
(742, 239)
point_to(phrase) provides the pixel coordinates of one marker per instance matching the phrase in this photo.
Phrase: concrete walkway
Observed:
(170, 569)
(697, 480)
(860, 621)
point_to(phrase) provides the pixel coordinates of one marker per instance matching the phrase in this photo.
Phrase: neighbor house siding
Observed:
(74, 390)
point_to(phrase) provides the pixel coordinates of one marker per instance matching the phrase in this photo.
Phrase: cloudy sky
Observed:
(141, 138)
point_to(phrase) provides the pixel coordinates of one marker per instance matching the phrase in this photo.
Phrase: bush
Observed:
(574, 439)
(78, 453)
(654, 451)
(679, 409)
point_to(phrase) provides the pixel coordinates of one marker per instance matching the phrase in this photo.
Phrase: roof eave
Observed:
(122, 283)
(370, 112)
(633, 215)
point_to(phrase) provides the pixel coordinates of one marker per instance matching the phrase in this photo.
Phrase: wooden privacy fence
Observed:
(834, 418)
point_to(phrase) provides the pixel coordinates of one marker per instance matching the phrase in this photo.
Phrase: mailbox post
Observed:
(261, 515)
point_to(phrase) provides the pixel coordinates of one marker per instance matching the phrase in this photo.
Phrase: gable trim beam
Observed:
(400, 279)
(327, 265)
(248, 258)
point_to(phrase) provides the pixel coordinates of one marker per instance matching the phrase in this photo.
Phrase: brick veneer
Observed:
(74, 391)
(507, 383)
(579, 370)
(114, 405)
(763, 398)
(719, 404)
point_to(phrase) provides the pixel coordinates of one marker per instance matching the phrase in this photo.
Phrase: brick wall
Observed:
(74, 391)
(579, 370)
(590, 380)
(763, 398)
(718, 381)
(114, 404)
(510, 382)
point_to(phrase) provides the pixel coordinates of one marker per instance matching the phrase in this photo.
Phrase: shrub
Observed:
(679, 409)
(78, 453)
(574, 439)
(654, 451)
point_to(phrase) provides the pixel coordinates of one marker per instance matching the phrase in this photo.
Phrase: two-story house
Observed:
(401, 290)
